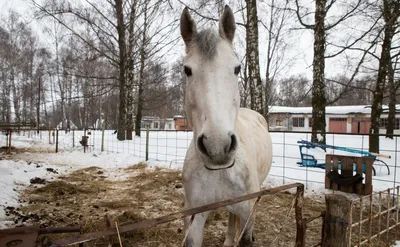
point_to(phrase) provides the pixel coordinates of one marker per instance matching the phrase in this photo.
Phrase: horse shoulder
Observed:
(252, 129)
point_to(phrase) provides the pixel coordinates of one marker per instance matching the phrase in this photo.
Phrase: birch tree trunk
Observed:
(141, 74)
(60, 86)
(130, 72)
(318, 89)
(16, 99)
(390, 15)
(121, 64)
(252, 57)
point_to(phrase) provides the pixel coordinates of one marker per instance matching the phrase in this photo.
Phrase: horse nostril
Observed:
(201, 146)
(232, 146)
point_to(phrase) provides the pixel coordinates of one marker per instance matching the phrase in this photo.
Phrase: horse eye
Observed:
(237, 70)
(187, 70)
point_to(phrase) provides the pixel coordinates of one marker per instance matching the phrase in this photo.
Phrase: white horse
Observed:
(230, 154)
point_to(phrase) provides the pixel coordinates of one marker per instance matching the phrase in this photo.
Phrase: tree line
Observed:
(110, 60)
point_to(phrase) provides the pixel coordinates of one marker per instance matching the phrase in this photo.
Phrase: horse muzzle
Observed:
(217, 151)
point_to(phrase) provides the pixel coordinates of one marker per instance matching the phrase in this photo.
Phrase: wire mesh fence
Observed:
(374, 219)
(169, 147)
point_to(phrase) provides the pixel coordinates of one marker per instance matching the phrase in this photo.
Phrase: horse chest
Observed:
(203, 186)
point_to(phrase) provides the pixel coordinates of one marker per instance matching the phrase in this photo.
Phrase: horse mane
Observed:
(206, 41)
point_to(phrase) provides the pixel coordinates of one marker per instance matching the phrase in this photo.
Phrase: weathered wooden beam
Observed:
(167, 218)
(17, 126)
(337, 221)
(301, 225)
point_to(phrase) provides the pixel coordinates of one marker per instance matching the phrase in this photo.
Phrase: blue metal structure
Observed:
(310, 161)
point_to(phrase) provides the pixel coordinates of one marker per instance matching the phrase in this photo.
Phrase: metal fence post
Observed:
(57, 141)
(337, 222)
(54, 130)
(147, 143)
(73, 138)
(102, 137)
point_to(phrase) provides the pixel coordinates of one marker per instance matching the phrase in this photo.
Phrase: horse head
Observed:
(212, 92)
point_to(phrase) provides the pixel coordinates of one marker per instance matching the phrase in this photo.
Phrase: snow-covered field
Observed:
(166, 149)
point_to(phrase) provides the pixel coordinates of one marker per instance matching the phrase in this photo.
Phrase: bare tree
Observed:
(277, 29)
(252, 59)
(320, 29)
(390, 12)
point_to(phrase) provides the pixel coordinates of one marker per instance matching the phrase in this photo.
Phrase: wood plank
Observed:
(360, 186)
(167, 218)
(334, 185)
(347, 171)
(368, 175)
(328, 160)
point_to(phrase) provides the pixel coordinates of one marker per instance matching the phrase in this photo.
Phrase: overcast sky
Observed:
(300, 51)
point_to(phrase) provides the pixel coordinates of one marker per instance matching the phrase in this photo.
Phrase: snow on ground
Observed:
(166, 149)
(397, 244)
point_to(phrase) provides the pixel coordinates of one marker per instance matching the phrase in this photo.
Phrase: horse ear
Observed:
(227, 25)
(188, 27)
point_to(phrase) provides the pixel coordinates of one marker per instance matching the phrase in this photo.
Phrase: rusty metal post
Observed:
(57, 141)
(337, 221)
(300, 222)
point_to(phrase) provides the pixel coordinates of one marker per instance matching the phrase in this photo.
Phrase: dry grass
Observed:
(86, 196)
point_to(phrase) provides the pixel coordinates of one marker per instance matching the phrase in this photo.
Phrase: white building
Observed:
(339, 119)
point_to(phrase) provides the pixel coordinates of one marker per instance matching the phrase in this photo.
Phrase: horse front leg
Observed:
(248, 236)
(230, 234)
(195, 230)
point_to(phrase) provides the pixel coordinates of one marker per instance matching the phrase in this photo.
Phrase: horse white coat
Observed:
(230, 154)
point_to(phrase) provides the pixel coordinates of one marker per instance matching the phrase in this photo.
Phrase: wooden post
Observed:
(102, 137)
(337, 221)
(57, 141)
(9, 142)
(147, 143)
(73, 138)
(49, 136)
(300, 223)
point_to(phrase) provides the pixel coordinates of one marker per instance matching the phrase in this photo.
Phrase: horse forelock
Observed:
(206, 42)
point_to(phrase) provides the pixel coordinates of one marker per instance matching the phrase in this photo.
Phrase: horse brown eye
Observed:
(237, 70)
(188, 71)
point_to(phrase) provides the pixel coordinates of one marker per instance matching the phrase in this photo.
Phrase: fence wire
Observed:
(374, 219)
(169, 148)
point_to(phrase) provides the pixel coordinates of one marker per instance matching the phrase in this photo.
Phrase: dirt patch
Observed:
(85, 196)
(37, 180)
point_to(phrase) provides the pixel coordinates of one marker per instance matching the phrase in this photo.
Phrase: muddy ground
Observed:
(84, 197)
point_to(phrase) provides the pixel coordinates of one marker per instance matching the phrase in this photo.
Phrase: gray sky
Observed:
(300, 50)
